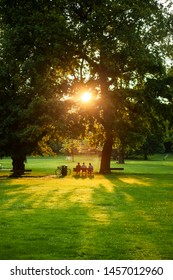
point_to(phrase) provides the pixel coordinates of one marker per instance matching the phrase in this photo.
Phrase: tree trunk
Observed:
(107, 116)
(18, 165)
(72, 154)
(121, 155)
(106, 156)
(145, 156)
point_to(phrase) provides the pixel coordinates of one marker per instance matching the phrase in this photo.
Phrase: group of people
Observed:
(84, 168)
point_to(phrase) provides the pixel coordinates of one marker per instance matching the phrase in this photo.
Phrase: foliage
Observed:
(123, 53)
(153, 144)
(53, 50)
(71, 147)
(33, 36)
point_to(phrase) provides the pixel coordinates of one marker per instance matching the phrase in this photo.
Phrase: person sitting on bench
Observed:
(90, 169)
(78, 168)
(83, 168)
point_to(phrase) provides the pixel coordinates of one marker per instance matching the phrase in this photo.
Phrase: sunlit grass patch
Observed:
(134, 181)
(117, 216)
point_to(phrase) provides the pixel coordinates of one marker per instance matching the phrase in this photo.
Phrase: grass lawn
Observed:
(125, 215)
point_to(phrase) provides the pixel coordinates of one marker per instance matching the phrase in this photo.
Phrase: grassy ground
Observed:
(125, 215)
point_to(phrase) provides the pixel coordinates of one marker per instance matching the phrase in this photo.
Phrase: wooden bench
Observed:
(116, 168)
(26, 171)
(83, 170)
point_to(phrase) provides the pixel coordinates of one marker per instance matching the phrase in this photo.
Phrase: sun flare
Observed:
(86, 96)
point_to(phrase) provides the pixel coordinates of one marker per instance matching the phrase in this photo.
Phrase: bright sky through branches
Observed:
(86, 97)
(167, 4)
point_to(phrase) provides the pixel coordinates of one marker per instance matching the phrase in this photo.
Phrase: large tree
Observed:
(121, 45)
(33, 60)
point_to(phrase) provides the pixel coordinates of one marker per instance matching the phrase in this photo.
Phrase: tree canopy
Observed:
(124, 53)
(32, 38)
(51, 51)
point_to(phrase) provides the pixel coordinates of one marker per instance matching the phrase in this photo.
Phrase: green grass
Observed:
(125, 215)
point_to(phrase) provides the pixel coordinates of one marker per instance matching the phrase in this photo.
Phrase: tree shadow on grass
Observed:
(115, 220)
(76, 176)
(141, 216)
